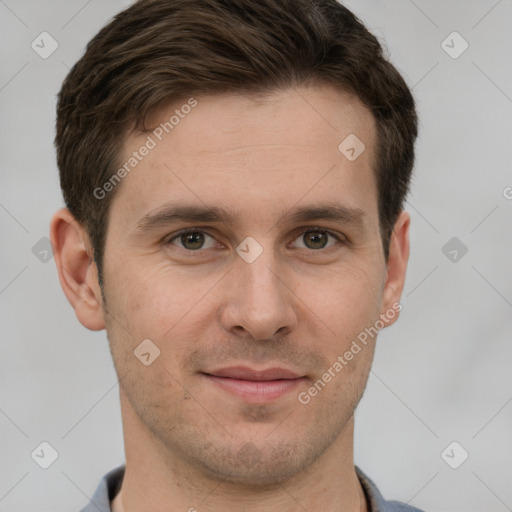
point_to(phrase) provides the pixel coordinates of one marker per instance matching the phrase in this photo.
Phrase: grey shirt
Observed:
(111, 483)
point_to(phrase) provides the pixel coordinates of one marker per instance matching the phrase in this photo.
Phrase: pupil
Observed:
(318, 239)
(192, 240)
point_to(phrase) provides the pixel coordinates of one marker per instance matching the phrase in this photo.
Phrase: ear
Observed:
(78, 274)
(395, 269)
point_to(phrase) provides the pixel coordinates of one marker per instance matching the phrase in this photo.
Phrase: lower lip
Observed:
(256, 391)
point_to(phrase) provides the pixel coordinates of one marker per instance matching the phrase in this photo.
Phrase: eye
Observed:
(317, 238)
(192, 240)
(197, 240)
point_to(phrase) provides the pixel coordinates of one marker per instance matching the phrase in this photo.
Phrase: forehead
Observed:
(267, 147)
(302, 116)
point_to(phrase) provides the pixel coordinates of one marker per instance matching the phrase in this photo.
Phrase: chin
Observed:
(256, 466)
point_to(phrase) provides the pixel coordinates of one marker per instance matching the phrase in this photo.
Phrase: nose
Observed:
(259, 303)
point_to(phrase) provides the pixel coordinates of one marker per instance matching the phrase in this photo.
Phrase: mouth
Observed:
(255, 386)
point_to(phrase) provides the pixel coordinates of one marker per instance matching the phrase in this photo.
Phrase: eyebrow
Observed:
(172, 213)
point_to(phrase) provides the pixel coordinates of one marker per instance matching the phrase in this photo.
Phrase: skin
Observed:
(188, 442)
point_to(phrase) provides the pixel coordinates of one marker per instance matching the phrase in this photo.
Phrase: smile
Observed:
(255, 386)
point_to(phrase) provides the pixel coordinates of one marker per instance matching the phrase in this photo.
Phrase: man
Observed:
(234, 173)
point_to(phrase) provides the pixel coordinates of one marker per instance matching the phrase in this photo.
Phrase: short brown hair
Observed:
(158, 51)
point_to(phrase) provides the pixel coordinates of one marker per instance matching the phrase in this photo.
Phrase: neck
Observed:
(161, 481)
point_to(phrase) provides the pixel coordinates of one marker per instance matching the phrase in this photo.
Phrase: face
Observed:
(280, 270)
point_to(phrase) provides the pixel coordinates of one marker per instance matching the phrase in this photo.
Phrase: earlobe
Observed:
(77, 270)
(396, 268)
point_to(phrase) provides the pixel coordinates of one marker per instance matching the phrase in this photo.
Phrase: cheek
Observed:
(166, 306)
(345, 300)
(154, 300)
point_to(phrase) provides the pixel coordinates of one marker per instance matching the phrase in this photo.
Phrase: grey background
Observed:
(441, 374)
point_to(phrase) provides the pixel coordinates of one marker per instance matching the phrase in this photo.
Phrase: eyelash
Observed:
(308, 229)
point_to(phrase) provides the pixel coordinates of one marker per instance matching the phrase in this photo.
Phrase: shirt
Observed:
(110, 485)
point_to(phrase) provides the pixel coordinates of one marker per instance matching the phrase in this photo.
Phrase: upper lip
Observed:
(246, 373)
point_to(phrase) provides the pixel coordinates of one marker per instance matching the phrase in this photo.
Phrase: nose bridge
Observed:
(260, 304)
(259, 281)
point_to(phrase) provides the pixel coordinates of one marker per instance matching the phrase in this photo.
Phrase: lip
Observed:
(246, 373)
(255, 386)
